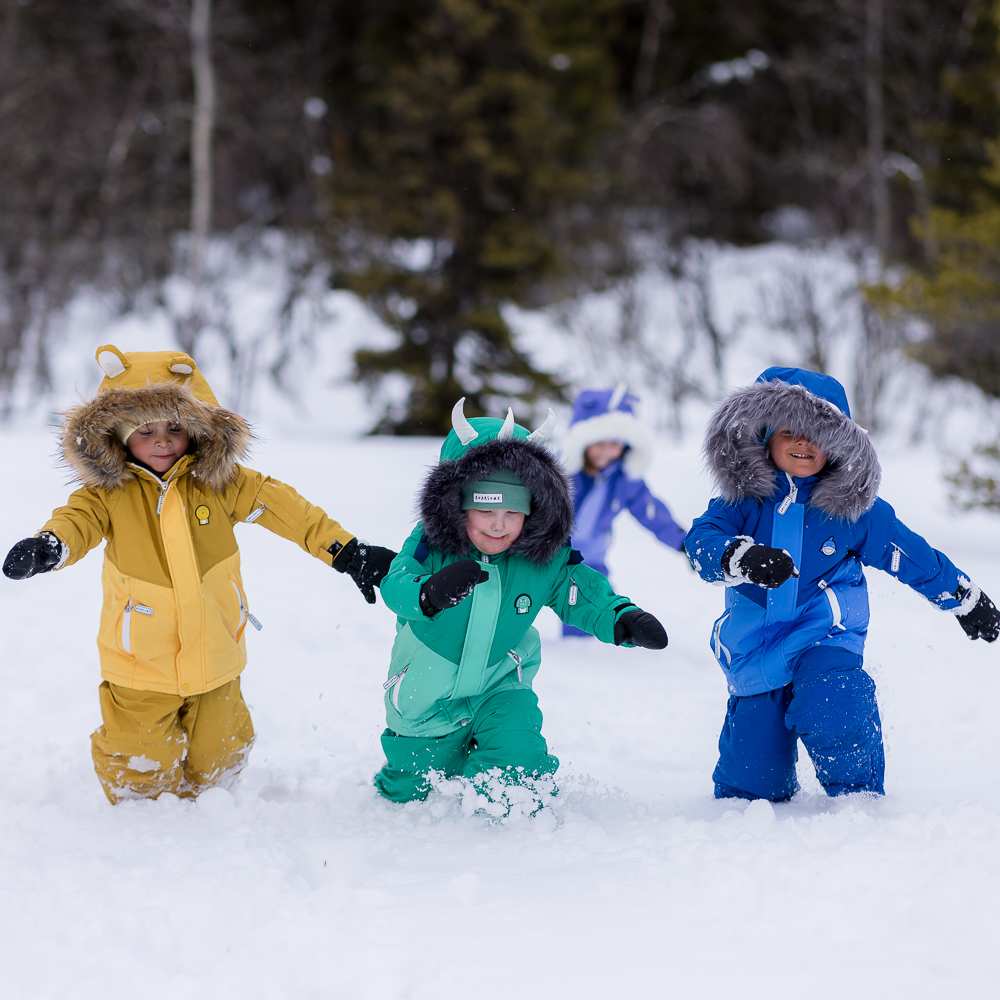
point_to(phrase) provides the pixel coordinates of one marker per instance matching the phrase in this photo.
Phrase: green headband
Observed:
(496, 494)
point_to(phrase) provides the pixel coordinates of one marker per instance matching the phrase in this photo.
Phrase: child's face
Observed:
(795, 454)
(493, 531)
(158, 444)
(601, 454)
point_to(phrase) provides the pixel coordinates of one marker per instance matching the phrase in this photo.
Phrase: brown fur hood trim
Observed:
(91, 447)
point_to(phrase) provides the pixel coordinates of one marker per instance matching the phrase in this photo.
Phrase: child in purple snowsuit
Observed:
(606, 454)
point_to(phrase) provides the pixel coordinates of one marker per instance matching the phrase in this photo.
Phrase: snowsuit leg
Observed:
(150, 743)
(756, 749)
(835, 714)
(220, 734)
(507, 734)
(403, 777)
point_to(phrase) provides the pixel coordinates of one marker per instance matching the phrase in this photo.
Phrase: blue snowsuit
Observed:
(792, 655)
(603, 415)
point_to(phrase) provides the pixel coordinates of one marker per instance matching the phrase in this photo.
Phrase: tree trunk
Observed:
(202, 128)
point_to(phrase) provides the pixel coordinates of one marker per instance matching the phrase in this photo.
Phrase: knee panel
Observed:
(835, 707)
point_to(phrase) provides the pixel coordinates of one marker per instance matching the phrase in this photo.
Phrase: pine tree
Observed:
(465, 133)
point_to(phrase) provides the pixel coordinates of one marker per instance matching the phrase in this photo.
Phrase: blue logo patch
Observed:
(829, 547)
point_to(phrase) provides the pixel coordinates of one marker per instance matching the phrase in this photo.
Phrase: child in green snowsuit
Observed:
(491, 549)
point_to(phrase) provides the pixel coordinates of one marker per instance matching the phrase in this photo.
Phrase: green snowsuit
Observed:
(458, 698)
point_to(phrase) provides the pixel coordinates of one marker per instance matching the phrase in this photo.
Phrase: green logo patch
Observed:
(522, 604)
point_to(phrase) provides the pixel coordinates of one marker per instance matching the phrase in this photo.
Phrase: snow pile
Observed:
(301, 883)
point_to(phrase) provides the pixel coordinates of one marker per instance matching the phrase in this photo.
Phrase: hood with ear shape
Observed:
(471, 451)
(805, 402)
(142, 387)
(608, 415)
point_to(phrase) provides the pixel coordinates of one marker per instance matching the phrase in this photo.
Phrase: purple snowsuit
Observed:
(609, 415)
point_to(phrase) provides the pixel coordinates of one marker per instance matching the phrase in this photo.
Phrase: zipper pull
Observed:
(793, 494)
(897, 554)
(254, 621)
(163, 496)
(574, 592)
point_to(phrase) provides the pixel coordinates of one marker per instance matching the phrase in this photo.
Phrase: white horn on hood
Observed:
(617, 396)
(465, 431)
(542, 430)
(507, 431)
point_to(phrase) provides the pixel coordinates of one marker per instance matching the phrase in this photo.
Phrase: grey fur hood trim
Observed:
(546, 528)
(90, 444)
(741, 466)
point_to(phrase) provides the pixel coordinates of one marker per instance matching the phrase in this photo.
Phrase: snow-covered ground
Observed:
(300, 883)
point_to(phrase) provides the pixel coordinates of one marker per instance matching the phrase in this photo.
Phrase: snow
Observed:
(299, 882)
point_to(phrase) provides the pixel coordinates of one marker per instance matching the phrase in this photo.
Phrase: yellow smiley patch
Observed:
(202, 513)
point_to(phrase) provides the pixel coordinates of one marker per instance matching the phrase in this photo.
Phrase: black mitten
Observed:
(760, 564)
(33, 555)
(982, 622)
(365, 564)
(640, 628)
(448, 586)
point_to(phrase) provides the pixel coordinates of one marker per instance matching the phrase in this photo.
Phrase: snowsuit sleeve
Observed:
(279, 508)
(888, 544)
(710, 536)
(400, 588)
(653, 514)
(583, 597)
(81, 524)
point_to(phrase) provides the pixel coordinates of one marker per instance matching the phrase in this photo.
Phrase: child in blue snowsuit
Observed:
(606, 453)
(797, 518)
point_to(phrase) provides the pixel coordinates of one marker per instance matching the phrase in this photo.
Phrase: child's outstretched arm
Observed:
(68, 535)
(654, 515)
(891, 546)
(721, 553)
(274, 505)
(413, 590)
(583, 597)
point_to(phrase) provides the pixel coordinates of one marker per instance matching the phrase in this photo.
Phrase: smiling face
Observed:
(795, 454)
(159, 444)
(493, 531)
(601, 454)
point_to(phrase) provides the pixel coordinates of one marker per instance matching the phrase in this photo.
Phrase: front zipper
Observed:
(793, 493)
(163, 496)
(130, 606)
(395, 682)
(517, 658)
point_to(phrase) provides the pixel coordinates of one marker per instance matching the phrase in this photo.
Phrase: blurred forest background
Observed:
(448, 159)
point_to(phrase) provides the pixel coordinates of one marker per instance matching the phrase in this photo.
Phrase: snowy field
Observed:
(300, 883)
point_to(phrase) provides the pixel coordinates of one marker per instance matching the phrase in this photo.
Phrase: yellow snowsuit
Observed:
(175, 609)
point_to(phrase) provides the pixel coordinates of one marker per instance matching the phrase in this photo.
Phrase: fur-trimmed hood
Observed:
(546, 528)
(139, 388)
(608, 415)
(807, 403)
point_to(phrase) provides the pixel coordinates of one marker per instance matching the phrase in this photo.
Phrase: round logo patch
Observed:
(522, 604)
(202, 513)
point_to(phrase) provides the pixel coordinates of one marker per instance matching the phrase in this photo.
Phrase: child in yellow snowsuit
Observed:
(158, 459)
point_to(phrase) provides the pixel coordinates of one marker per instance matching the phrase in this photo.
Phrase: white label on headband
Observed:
(487, 498)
